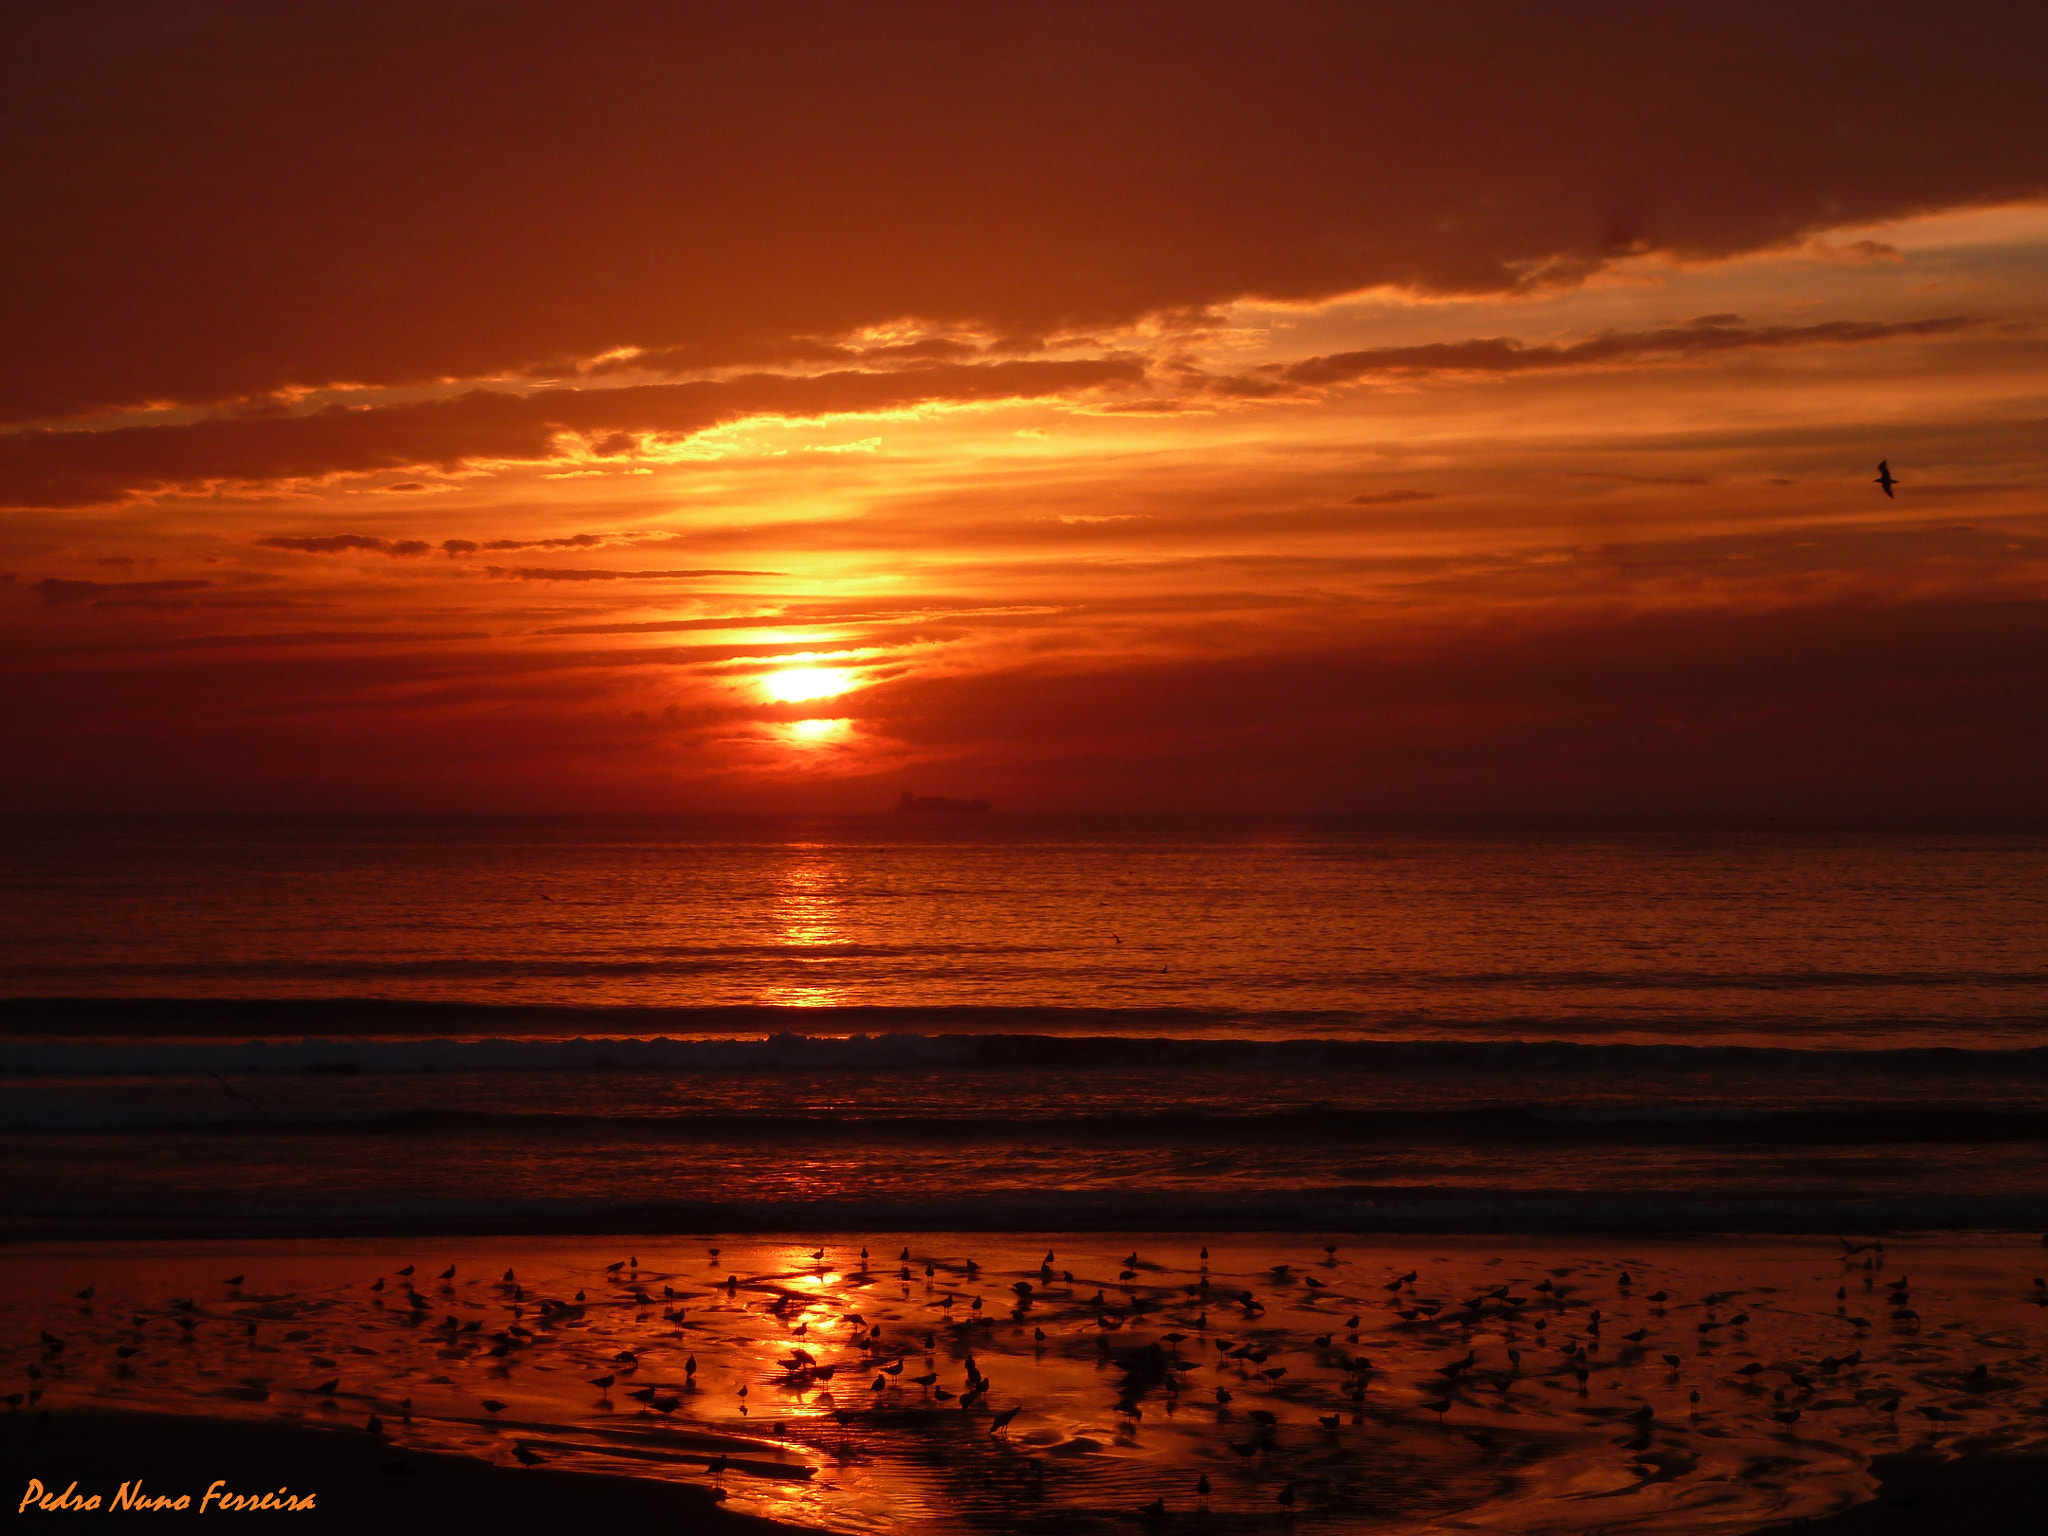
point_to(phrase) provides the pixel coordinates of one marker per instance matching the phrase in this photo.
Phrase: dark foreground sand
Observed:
(358, 1483)
(1921, 1495)
(939, 1384)
(358, 1487)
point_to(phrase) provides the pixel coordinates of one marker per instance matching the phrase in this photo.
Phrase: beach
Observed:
(1032, 1176)
(957, 770)
(817, 1389)
(146, 1463)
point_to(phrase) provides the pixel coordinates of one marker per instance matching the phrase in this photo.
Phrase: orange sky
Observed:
(1379, 409)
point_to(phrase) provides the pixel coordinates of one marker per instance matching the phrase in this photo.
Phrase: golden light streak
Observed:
(797, 684)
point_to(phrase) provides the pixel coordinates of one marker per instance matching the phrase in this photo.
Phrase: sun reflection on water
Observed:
(808, 914)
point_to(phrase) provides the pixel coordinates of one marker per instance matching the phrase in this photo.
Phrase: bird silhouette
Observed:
(1884, 478)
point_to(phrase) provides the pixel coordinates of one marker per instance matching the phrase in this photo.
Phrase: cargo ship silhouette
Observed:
(928, 803)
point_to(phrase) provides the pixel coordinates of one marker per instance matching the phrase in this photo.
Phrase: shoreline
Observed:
(843, 1381)
(23, 1238)
(360, 1482)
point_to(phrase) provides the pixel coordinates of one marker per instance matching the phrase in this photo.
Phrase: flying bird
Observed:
(1884, 478)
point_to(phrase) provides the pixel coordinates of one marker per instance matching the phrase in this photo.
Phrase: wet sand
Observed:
(825, 1390)
(360, 1483)
(357, 1482)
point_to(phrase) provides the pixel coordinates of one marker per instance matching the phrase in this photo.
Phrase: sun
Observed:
(800, 683)
(819, 730)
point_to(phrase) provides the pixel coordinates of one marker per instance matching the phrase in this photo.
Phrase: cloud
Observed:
(573, 541)
(346, 543)
(44, 468)
(1391, 498)
(721, 187)
(1930, 707)
(542, 573)
(1707, 336)
(61, 593)
(55, 469)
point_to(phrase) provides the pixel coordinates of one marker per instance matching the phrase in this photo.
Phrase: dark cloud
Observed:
(263, 641)
(574, 541)
(455, 547)
(61, 593)
(1928, 708)
(542, 573)
(1391, 498)
(42, 468)
(347, 543)
(1501, 354)
(211, 203)
(1885, 709)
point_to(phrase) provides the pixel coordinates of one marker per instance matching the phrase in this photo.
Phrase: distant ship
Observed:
(924, 803)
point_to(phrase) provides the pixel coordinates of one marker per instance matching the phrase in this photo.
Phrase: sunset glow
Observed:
(799, 684)
(819, 730)
(1376, 440)
(708, 704)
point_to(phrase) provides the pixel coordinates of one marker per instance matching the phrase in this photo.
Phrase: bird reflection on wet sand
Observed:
(970, 1383)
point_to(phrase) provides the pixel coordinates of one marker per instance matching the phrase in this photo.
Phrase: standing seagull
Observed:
(1884, 476)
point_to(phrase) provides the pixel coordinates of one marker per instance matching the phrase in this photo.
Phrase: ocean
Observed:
(992, 1023)
(936, 1173)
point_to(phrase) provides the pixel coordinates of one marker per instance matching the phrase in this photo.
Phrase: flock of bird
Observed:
(1294, 1388)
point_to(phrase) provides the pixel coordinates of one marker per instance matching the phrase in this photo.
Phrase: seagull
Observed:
(1884, 478)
